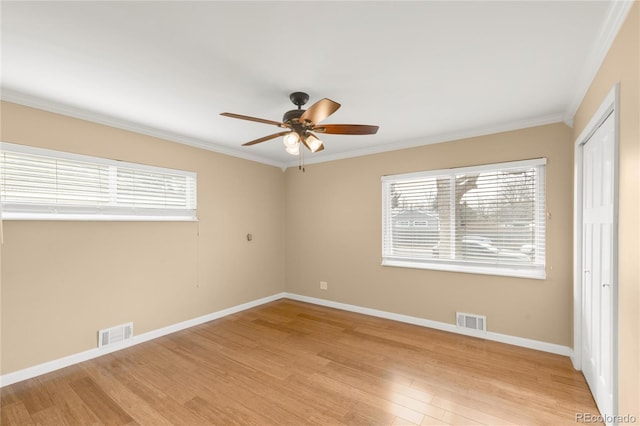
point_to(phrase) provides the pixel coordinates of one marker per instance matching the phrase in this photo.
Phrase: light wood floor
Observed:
(291, 363)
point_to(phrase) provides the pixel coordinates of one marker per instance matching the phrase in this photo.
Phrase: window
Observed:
(44, 184)
(487, 219)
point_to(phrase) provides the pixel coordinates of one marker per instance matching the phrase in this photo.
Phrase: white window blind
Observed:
(44, 184)
(487, 219)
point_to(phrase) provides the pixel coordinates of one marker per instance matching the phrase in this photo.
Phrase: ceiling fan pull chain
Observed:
(299, 160)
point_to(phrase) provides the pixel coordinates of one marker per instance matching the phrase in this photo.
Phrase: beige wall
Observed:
(621, 65)
(334, 234)
(62, 281)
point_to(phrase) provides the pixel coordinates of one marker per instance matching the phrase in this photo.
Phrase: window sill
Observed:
(95, 218)
(469, 269)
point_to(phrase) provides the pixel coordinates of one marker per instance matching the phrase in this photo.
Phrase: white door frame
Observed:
(610, 105)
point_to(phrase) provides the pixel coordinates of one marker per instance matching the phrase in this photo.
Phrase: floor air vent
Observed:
(119, 333)
(470, 321)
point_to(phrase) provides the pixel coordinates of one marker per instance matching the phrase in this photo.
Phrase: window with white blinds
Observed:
(487, 219)
(44, 184)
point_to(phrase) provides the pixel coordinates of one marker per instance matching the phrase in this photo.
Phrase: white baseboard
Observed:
(57, 364)
(47, 367)
(503, 338)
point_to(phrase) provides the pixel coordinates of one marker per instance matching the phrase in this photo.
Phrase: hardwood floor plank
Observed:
(15, 414)
(70, 405)
(279, 393)
(332, 404)
(432, 421)
(222, 414)
(321, 319)
(361, 395)
(293, 363)
(118, 389)
(458, 406)
(34, 397)
(365, 414)
(399, 421)
(51, 416)
(106, 409)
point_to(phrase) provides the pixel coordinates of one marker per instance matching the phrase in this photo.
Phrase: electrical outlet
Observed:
(323, 285)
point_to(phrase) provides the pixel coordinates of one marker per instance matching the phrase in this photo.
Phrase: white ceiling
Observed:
(423, 71)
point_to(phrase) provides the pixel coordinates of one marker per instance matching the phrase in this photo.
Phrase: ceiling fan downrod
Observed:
(298, 99)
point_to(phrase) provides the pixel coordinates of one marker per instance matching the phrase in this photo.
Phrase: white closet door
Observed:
(597, 259)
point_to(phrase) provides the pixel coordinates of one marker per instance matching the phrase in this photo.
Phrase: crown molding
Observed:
(24, 99)
(616, 15)
(444, 137)
(67, 110)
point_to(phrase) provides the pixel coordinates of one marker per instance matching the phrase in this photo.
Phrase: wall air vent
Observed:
(470, 321)
(113, 335)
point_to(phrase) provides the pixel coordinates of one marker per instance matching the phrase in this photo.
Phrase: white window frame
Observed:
(104, 212)
(459, 265)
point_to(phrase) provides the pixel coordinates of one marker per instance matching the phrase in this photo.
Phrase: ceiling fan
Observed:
(301, 123)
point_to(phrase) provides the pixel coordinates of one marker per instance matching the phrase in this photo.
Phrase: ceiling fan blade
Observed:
(258, 120)
(346, 129)
(319, 111)
(265, 138)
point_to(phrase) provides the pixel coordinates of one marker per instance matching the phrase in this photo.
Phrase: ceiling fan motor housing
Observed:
(289, 116)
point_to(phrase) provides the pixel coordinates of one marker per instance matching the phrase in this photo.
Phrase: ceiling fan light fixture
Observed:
(313, 143)
(291, 140)
(294, 149)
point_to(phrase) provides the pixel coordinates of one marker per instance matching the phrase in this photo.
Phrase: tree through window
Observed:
(486, 219)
